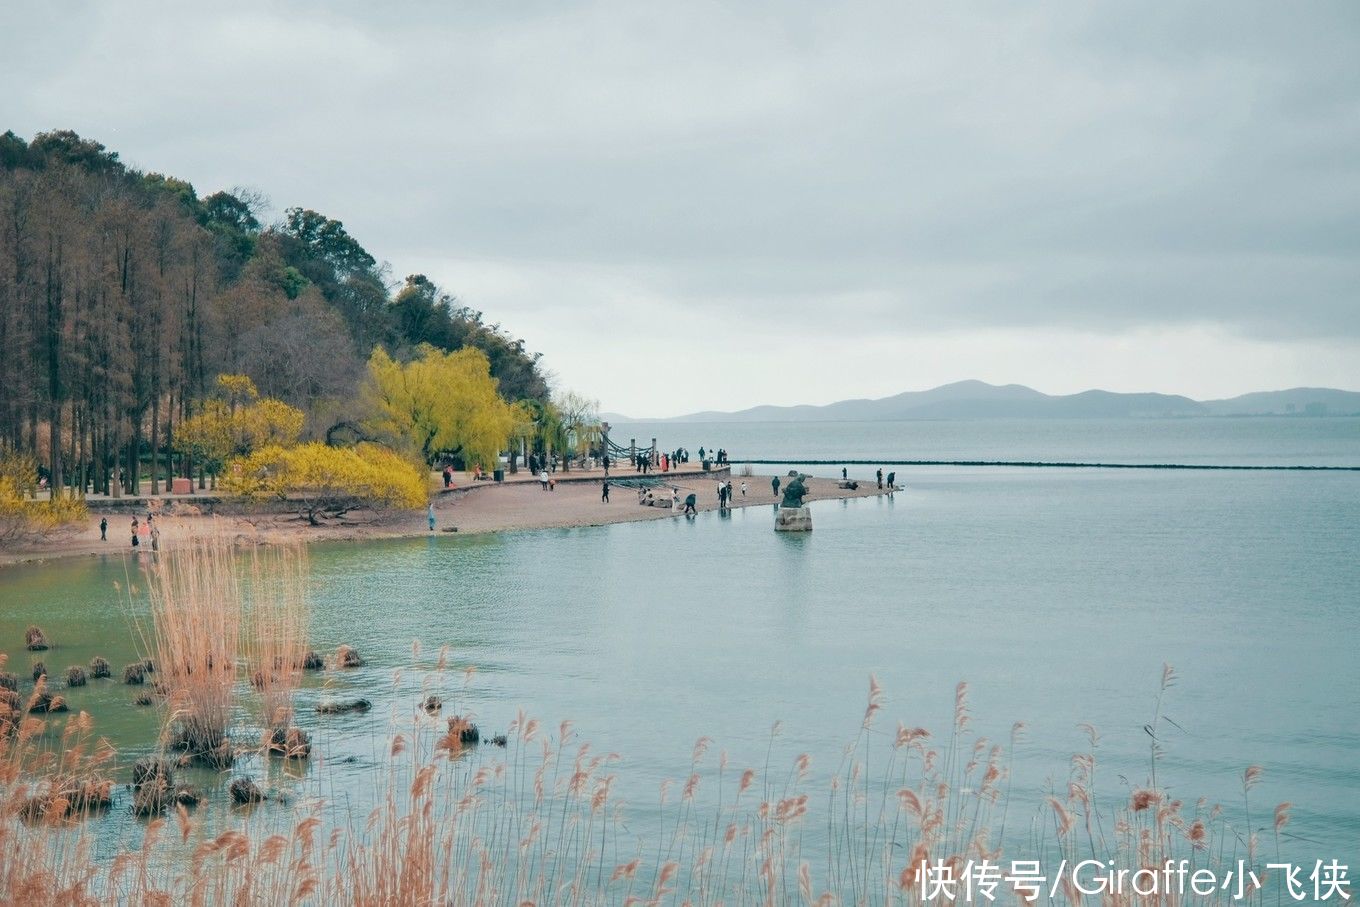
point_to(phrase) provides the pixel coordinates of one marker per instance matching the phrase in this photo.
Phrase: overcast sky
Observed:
(709, 206)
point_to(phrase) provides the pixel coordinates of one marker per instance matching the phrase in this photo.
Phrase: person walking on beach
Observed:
(429, 516)
(774, 485)
(604, 492)
(880, 477)
(743, 488)
(845, 474)
(103, 529)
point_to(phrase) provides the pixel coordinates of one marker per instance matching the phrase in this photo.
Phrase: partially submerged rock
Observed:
(9, 681)
(44, 703)
(244, 790)
(150, 799)
(312, 661)
(343, 706)
(348, 657)
(134, 674)
(35, 640)
(184, 795)
(291, 743)
(39, 670)
(208, 750)
(151, 770)
(99, 668)
(75, 676)
(432, 704)
(467, 731)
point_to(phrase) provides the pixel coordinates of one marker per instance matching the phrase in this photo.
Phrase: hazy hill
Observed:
(979, 400)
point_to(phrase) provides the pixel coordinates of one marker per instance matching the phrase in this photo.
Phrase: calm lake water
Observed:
(1056, 593)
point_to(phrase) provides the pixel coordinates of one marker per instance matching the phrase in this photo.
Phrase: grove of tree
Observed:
(124, 295)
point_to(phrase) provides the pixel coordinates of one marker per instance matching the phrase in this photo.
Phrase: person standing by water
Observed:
(892, 481)
(604, 492)
(103, 529)
(135, 540)
(155, 538)
(845, 474)
(690, 501)
(743, 488)
(880, 477)
(429, 515)
(774, 485)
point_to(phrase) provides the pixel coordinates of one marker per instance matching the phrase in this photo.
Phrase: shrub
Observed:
(24, 521)
(328, 481)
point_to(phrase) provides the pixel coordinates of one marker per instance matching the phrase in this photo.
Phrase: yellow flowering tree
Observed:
(23, 520)
(439, 404)
(236, 422)
(321, 481)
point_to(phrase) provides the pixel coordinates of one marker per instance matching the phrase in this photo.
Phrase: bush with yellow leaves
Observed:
(22, 520)
(322, 481)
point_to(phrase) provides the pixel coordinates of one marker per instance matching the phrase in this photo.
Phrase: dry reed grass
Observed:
(455, 824)
(193, 639)
(275, 638)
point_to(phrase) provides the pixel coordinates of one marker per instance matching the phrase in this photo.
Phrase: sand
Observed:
(471, 507)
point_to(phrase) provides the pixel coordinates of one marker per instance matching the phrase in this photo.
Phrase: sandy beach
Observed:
(519, 503)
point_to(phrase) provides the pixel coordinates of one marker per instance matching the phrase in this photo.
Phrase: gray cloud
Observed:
(1096, 167)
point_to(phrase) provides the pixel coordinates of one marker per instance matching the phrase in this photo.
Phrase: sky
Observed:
(717, 205)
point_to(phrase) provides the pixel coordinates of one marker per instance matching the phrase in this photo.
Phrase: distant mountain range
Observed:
(979, 400)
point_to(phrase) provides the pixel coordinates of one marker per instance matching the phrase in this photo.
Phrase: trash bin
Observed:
(499, 475)
(707, 463)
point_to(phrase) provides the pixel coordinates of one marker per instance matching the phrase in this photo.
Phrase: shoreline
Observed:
(470, 508)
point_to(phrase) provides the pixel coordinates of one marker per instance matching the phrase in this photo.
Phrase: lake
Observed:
(1057, 594)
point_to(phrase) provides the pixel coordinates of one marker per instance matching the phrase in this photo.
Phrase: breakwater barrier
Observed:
(808, 461)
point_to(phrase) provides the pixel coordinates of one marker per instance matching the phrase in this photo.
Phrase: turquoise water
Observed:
(1057, 594)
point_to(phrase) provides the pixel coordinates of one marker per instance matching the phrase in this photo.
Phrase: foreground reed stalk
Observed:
(193, 643)
(275, 638)
(540, 823)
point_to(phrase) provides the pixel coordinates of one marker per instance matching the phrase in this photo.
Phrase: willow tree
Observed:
(439, 405)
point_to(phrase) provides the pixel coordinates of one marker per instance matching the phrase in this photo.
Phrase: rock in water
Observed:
(99, 667)
(312, 661)
(134, 674)
(347, 657)
(343, 706)
(75, 676)
(792, 519)
(152, 770)
(244, 790)
(34, 639)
